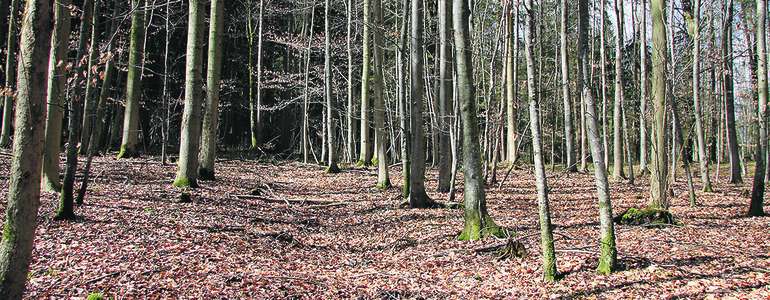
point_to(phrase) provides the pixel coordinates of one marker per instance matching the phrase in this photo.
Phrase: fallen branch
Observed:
(290, 201)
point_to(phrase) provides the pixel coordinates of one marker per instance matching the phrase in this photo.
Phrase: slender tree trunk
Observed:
(383, 178)
(608, 254)
(758, 189)
(546, 233)
(643, 85)
(26, 165)
(417, 196)
(134, 84)
(401, 70)
(617, 118)
(351, 145)
(604, 83)
(89, 103)
(256, 138)
(331, 129)
(187, 167)
(365, 157)
(208, 150)
(10, 79)
(445, 95)
(511, 86)
(732, 132)
(659, 158)
(478, 223)
(306, 102)
(166, 103)
(57, 80)
(571, 164)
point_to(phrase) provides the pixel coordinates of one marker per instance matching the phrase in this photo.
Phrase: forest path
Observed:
(134, 240)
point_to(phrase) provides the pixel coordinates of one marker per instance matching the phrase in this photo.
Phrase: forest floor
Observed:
(348, 240)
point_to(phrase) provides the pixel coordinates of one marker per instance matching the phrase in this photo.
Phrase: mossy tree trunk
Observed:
(659, 159)
(418, 198)
(208, 150)
(10, 79)
(383, 178)
(57, 79)
(133, 83)
(445, 94)
(26, 163)
(187, 171)
(758, 190)
(608, 254)
(546, 233)
(478, 223)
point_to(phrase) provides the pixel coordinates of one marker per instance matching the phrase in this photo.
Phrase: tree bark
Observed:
(445, 96)
(330, 122)
(546, 233)
(643, 85)
(187, 167)
(57, 79)
(758, 189)
(608, 254)
(732, 132)
(571, 164)
(659, 159)
(26, 164)
(365, 157)
(478, 223)
(617, 118)
(10, 79)
(383, 178)
(133, 84)
(208, 150)
(418, 198)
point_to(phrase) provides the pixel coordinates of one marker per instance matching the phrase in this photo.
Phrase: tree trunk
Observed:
(10, 79)
(208, 150)
(26, 164)
(643, 169)
(133, 84)
(351, 145)
(478, 223)
(511, 83)
(401, 71)
(617, 118)
(546, 233)
(330, 122)
(89, 103)
(732, 132)
(571, 164)
(604, 83)
(608, 254)
(187, 171)
(57, 79)
(365, 157)
(758, 190)
(417, 196)
(383, 178)
(445, 95)
(659, 159)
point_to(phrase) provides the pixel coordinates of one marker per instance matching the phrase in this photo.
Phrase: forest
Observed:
(384, 149)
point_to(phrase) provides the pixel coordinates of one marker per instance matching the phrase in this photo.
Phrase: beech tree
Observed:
(187, 171)
(10, 79)
(26, 165)
(758, 190)
(130, 136)
(209, 134)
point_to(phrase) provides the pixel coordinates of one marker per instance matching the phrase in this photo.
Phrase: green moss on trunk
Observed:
(184, 182)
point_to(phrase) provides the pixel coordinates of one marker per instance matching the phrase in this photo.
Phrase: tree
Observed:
(445, 93)
(418, 198)
(381, 137)
(57, 80)
(564, 56)
(478, 223)
(330, 121)
(546, 233)
(10, 80)
(692, 15)
(758, 190)
(208, 150)
(133, 83)
(511, 81)
(187, 171)
(365, 157)
(26, 165)
(608, 254)
(643, 151)
(727, 80)
(617, 120)
(659, 158)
